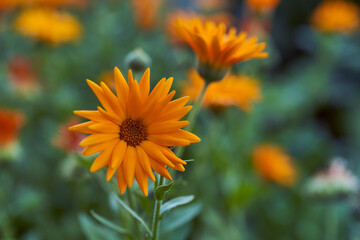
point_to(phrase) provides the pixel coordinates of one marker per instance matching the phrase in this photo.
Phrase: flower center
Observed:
(133, 132)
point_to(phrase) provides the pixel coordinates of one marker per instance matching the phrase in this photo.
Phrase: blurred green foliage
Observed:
(310, 106)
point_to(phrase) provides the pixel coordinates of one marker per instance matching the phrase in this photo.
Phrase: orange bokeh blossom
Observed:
(273, 164)
(336, 16)
(10, 125)
(233, 90)
(48, 25)
(216, 47)
(263, 5)
(134, 130)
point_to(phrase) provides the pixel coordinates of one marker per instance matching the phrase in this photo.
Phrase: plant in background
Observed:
(10, 124)
(336, 182)
(216, 49)
(262, 6)
(217, 18)
(336, 16)
(273, 164)
(146, 13)
(22, 77)
(67, 140)
(48, 25)
(233, 90)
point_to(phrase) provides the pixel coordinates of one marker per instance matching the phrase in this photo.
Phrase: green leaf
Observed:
(93, 231)
(109, 224)
(132, 213)
(180, 217)
(173, 203)
(161, 190)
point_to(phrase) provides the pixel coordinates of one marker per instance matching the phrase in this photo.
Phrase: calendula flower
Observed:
(10, 125)
(336, 181)
(273, 164)
(146, 12)
(336, 16)
(232, 90)
(134, 130)
(22, 76)
(48, 25)
(171, 18)
(216, 48)
(69, 140)
(263, 5)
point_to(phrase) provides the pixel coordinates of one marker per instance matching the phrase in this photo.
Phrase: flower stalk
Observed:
(156, 217)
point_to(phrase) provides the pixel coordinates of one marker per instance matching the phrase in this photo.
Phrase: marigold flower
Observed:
(146, 12)
(171, 18)
(10, 125)
(336, 16)
(133, 132)
(48, 25)
(263, 5)
(69, 140)
(233, 90)
(273, 164)
(217, 48)
(336, 181)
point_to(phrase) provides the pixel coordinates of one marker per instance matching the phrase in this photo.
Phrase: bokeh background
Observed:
(310, 103)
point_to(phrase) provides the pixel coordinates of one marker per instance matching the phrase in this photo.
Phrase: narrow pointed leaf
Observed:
(109, 224)
(133, 213)
(176, 202)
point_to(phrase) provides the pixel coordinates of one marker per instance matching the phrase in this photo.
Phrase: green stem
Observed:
(132, 206)
(156, 217)
(331, 222)
(192, 118)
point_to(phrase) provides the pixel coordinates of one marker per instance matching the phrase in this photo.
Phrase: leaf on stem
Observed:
(176, 202)
(161, 190)
(132, 213)
(109, 224)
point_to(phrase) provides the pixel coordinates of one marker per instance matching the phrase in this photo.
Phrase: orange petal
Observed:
(142, 179)
(102, 160)
(153, 150)
(121, 180)
(118, 154)
(145, 162)
(129, 164)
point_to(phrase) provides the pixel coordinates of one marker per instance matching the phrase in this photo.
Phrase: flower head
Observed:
(336, 181)
(273, 164)
(263, 5)
(336, 16)
(233, 90)
(48, 25)
(146, 12)
(217, 48)
(69, 140)
(171, 18)
(134, 130)
(10, 125)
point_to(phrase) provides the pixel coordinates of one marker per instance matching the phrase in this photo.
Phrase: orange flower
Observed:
(263, 5)
(48, 25)
(10, 124)
(233, 90)
(273, 164)
(217, 48)
(336, 16)
(22, 76)
(68, 140)
(146, 12)
(134, 130)
(188, 15)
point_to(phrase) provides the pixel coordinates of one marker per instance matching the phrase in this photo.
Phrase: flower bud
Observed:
(137, 60)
